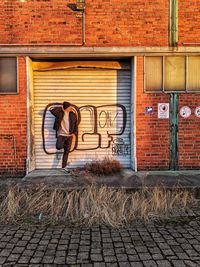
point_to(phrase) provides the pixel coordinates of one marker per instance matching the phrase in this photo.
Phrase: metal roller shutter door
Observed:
(104, 99)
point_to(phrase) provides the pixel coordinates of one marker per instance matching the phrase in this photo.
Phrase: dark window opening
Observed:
(8, 75)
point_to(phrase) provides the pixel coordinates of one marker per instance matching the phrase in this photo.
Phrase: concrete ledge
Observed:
(127, 179)
(65, 50)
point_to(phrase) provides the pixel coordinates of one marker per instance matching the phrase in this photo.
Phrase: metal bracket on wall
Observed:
(79, 8)
(11, 136)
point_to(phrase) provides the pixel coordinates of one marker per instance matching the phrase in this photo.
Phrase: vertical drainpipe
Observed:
(173, 23)
(173, 42)
(173, 131)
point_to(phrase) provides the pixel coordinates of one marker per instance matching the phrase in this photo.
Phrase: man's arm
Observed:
(56, 111)
(73, 123)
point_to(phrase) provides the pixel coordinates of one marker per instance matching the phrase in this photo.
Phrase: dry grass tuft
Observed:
(103, 167)
(91, 205)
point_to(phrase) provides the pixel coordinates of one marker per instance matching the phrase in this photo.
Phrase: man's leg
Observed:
(67, 146)
(60, 142)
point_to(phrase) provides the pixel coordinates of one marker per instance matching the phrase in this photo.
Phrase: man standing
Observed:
(66, 124)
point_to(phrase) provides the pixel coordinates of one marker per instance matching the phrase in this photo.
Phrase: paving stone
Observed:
(10, 245)
(189, 263)
(39, 254)
(96, 257)
(133, 258)
(167, 252)
(122, 257)
(196, 247)
(51, 246)
(24, 259)
(108, 245)
(192, 252)
(108, 252)
(136, 264)
(35, 260)
(18, 250)
(13, 257)
(10, 263)
(142, 245)
(118, 244)
(96, 251)
(124, 264)
(41, 248)
(70, 260)
(73, 246)
(150, 263)
(110, 259)
(34, 240)
(184, 256)
(141, 249)
(154, 250)
(5, 252)
(28, 252)
(48, 259)
(50, 252)
(164, 263)
(72, 253)
(62, 247)
(178, 263)
(129, 245)
(44, 242)
(3, 244)
(83, 255)
(63, 242)
(99, 264)
(145, 256)
(22, 243)
(59, 260)
(2, 260)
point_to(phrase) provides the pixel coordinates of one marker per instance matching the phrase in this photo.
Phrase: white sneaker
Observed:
(66, 170)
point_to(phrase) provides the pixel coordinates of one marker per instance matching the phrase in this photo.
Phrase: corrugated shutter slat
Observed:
(82, 87)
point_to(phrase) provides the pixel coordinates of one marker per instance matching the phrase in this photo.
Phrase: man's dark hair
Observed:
(66, 105)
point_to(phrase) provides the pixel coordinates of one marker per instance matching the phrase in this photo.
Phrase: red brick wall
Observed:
(152, 134)
(13, 125)
(189, 134)
(189, 21)
(108, 23)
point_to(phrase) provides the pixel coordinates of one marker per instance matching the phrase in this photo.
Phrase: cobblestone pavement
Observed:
(170, 244)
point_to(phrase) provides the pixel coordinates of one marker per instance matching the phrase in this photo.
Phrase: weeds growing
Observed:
(91, 205)
(103, 167)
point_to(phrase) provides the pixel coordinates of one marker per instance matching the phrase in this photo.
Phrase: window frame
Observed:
(186, 90)
(17, 78)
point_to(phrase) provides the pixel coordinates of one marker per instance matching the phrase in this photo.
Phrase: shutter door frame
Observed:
(123, 97)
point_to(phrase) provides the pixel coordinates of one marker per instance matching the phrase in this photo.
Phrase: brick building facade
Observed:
(105, 31)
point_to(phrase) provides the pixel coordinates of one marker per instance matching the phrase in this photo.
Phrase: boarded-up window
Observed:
(8, 75)
(193, 73)
(174, 74)
(153, 74)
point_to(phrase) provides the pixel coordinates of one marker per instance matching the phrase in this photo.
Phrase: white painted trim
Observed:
(134, 64)
(132, 114)
(29, 100)
(28, 118)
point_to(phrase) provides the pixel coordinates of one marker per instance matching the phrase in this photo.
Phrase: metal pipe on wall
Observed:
(173, 23)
